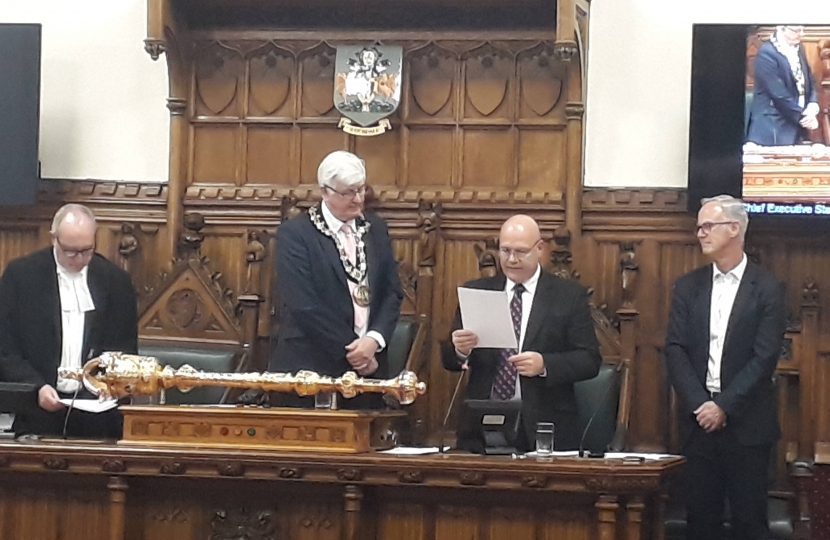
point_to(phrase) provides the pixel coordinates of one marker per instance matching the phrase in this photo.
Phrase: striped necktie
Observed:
(504, 386)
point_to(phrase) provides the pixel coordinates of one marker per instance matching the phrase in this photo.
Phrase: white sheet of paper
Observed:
(555, 453)
(646, 456)
(412, 450)
(643, 455)
(91, 405)
(487, 313)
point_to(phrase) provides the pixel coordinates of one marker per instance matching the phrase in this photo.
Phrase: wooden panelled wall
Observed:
(490, 124)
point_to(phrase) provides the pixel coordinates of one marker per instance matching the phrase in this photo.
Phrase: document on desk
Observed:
(487, 313)
(648, 456)
(412, 450)
(555, 453)
(90, 405)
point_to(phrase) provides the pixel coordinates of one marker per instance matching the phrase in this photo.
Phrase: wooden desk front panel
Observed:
(71, 492)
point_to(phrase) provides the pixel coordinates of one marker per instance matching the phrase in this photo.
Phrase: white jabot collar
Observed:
(73, 288)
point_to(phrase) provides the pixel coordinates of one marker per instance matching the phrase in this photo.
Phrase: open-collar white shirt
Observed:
(724, 289)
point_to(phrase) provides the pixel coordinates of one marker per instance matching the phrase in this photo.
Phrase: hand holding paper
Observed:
(487, 315)
(464, 341)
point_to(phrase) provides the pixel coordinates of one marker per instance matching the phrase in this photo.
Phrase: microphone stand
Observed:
(70, 408)
(464, 368)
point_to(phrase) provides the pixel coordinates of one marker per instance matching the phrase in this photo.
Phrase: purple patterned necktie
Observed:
(504, 386)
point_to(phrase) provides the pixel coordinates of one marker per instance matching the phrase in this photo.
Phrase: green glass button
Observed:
(251, 432)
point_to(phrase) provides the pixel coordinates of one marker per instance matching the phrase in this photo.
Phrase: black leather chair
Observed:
(400, 345)
(406, 346)
(599, 398)
(203, 359)
(778, 508)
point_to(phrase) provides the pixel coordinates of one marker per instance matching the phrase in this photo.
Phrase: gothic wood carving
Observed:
(238, 523)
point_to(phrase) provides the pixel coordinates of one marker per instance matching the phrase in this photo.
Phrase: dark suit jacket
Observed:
(561, 329)
(750, 352)
(774, 113)
(30, 320)
(316, 311)
(31, 334)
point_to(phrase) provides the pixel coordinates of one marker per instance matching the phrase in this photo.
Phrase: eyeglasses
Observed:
(795, 29)
(349, 193)
(72, 253)
(707, 226)
(519, 254)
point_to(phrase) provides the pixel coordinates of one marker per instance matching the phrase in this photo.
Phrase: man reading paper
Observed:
(555, 333)
(59, 307)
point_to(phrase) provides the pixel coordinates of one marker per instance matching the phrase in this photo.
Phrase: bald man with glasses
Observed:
(557, 342)
(60, 307)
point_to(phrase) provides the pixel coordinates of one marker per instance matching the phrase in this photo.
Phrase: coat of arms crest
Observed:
(367, 87)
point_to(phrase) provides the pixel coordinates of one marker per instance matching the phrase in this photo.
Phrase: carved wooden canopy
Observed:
(189, 303)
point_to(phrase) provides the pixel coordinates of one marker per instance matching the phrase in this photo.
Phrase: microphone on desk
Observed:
(464, 368)
(598, 408)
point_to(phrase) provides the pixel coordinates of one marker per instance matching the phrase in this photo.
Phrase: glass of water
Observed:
(544, 438)
(325, 400)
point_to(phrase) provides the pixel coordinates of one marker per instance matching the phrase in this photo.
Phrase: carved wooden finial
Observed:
(630, 270)
(190, 241)
(254, 255)
(155, 48)
(824, 54)
(128, 244)
(561, 257)
(429, 222)
(754, 252)
(488, 257)
(409, 281)
(565, 50)
(809, 293)
(288, 208)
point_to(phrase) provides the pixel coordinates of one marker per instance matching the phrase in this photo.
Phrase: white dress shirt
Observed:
(724, 289)
(75, 301)
(527, 303)
(527, 299)
(335, 224)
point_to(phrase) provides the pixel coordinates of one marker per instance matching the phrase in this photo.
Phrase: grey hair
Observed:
(733, 208)
(71, 208)
(343, 167)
